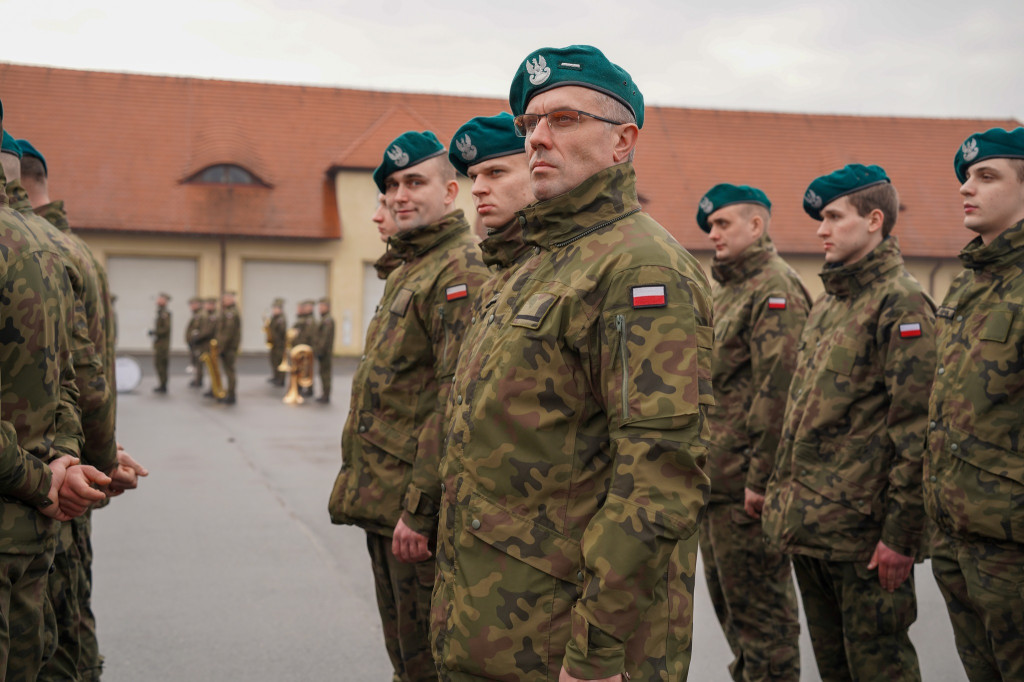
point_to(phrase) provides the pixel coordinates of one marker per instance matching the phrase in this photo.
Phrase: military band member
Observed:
(277, 329)
(388, 484)
(161, 334)
(974, 471)
(572, 472)
(305, 327)
(760, 309)
(229, 337)
(195, 323)
(324, 348)
(206, 331)
(845, 496)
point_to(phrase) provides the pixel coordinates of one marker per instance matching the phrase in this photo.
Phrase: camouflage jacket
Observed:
(207, 330)
(278, 330)
(974, 472)
(848, 472)
(229, 330)
(162, 329)
(386, 264)
(572, 472)
(760, 309)
(324, 338)
(194, 327)
(392, 438)
(38, 395)
(305, 325)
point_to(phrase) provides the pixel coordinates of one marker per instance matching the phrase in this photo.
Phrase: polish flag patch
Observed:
(910, 331)
(454, 293)
(776, 303)
(649, 296)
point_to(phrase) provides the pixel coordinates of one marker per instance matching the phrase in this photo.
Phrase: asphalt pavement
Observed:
(224, 565)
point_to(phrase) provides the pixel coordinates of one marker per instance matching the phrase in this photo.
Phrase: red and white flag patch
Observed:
(649, 296)
(911, 330)
(776, 303)
(455, 292)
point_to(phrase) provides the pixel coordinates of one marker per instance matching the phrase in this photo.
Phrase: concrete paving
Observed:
(224, 565)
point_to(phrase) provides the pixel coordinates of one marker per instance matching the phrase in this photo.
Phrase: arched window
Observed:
(226, 174)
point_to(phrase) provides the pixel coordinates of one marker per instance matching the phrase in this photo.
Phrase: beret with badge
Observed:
(994, 143)
(484, 138)
(582, 65)
(405, 151)
(847, 180)
(723, 195)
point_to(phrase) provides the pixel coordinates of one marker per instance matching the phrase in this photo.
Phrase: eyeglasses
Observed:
(564, 121)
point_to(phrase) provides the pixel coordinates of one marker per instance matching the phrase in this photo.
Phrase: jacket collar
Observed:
(846, 281)
(505, 245)
(750, 262)
(412, 244)
(1005, 249)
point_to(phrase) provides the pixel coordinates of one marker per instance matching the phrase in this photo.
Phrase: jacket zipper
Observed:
(620, 326)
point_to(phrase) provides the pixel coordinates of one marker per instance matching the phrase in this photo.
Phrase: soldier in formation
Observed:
(195, 323)
(229, 336)
(277, 330)
(161, 335)
(323, 348)
(305, 334)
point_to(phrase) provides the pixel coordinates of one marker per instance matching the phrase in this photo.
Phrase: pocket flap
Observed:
(991, 458)
(533, 311)
(823, 479)
(389, 439)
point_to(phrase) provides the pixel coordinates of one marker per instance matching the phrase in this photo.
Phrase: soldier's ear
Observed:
(625, 141)
(451, 190)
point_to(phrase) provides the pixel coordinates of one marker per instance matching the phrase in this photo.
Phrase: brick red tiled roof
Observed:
(120, 146)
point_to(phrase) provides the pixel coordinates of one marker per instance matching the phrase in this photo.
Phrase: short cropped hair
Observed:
(32, 169)
(609, 107)
(882, 196)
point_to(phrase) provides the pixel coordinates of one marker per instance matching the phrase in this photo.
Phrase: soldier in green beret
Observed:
(572, 473)
(195, 323)
(277, 330)
(161, 335)
(974, 471)
(391, 443)
(845, 496)
(760, 310)
(323, 348)
(229, 337)
(385, 228)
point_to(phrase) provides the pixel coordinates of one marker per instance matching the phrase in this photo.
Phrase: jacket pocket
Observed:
(382, 435)
(836, 480)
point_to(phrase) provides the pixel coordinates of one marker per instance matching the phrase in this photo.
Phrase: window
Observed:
(226, 174)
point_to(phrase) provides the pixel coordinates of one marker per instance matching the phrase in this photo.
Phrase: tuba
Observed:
(210, 359)
(298, 361)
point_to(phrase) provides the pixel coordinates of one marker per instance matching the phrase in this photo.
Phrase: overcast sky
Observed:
(899, 57)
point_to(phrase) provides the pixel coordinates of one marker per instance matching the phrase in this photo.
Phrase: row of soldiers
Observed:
(545, 422)
(307, 330)
(59, 456)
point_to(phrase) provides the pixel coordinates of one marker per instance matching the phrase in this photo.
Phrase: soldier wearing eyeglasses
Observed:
(574, 491)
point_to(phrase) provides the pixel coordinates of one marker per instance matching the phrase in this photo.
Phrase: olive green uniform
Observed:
(207, 330)
(848, 471)
(229, 336)
(760, 309)
(974, 471)
(392, 437)
(323, 348)
(278, 331)
(572, 481)
(161, 334)
(195, 323)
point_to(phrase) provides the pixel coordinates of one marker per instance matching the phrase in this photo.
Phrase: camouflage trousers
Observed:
(403, 599)
(161, 357)
(752, 590)
(25, 614)
(984, 590)
(62, 592)
(859, 630)
(90, 663)
(324, 361)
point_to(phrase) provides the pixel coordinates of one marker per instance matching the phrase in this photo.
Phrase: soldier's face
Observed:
(501, 187)
(993, 198)
(845, 235)
(385, 223)
(560, 161)
(733, 229)
(323, 310)
(419, 195)
(161, 301)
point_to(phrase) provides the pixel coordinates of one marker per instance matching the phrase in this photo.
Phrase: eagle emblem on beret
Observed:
(398, 156)
(466, 148)
(706, 205)
(969, 149)
(812, 199)
(538, 69)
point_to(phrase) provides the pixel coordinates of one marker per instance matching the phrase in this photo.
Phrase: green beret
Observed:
(195, 299)
(325, 300)
(278, 303)
(405, 151)
(10, 145)
(163, 294)
(27, 149)
(308, 301)
(994, 143)
(723, 195)
(484, 138)
(583, 65)
(847, 180)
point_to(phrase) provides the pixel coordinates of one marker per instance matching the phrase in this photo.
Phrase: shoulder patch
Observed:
(648, 296)
(401, 303)
(911, 330)
(945, 312)
(776, 303)
(456, 291)
(533, 311)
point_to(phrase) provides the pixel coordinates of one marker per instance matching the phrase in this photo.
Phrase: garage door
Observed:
(263, 281)
(136, 281)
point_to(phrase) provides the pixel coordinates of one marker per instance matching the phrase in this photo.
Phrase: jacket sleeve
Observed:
(907, 337)
(95, 401)
(651, 372)
(774, 335)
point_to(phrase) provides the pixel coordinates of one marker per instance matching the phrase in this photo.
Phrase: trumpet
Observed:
(210, 359)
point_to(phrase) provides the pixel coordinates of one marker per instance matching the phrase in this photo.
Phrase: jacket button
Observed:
(491, 318)
(362, 428)
(804, 472)
(954, 447)
(476, 524)
(933, 479)
(579, 575)
(443, 489)
(458, 400)
(522, 220)
(959, 318)
(941, 371)
(931, 425)
(536, 250)
(472, 320)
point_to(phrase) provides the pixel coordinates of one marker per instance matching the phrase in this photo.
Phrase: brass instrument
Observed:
(301, 358)
(266, 330)
(211, 360)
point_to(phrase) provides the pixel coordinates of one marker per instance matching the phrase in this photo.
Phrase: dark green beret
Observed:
(405, 151)
(195, 299)
(278, 303)
(1, 110)
(484, 138)
(723, 195)
(994, 143)
(10, 145)
(27, 149)
(847, 180)
(583, 65)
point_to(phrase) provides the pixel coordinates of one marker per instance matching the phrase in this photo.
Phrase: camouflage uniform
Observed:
(572, 472)
(278, 328)
(760, 309)
(38, 406)
(974, 472)
(386, 264)
(848, 472)
(324, 351)
(306, 328)
(195, 324)
(161, 343)
(392, 439)
(229, 336)
(206, 332)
